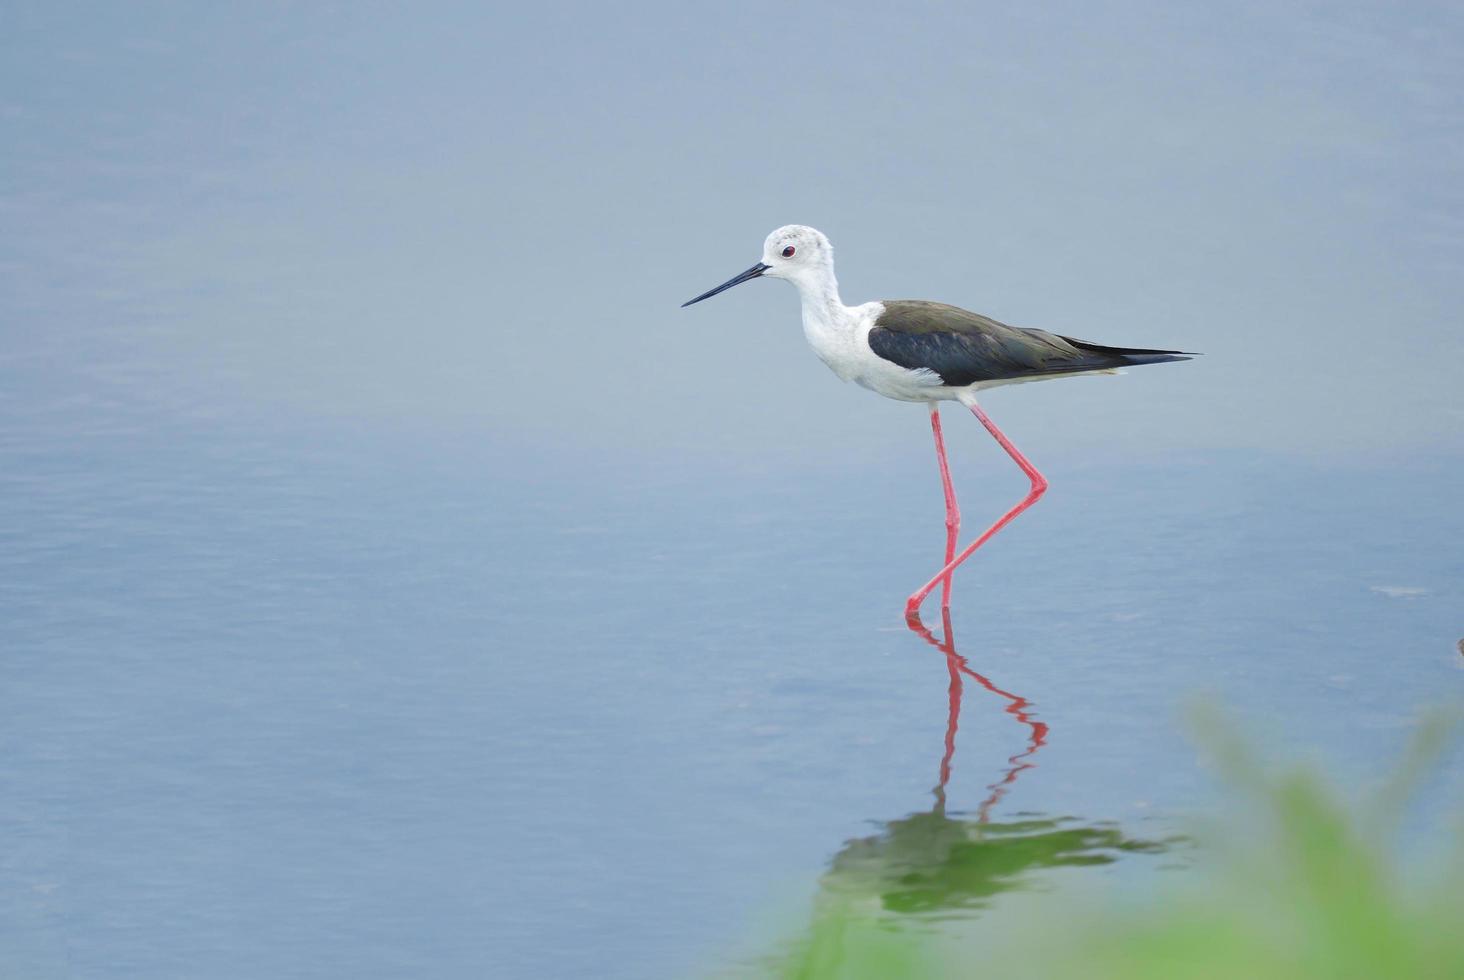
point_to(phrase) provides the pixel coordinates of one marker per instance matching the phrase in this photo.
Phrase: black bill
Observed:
(752, 273)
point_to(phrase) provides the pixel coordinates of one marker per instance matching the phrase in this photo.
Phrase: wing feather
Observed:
(964, 348)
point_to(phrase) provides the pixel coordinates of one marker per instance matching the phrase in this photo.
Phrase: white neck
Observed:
(830, 327)
(819, 291)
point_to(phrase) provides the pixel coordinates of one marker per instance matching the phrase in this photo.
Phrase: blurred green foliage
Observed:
(1304, 885)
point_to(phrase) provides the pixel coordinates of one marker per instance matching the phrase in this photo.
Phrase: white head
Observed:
(798, 253)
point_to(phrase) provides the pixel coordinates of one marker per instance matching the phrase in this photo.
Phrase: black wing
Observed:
(964, 347)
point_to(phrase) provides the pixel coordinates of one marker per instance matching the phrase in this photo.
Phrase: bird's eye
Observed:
(788, 252)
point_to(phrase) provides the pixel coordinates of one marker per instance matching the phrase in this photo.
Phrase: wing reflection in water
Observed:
(933, 862)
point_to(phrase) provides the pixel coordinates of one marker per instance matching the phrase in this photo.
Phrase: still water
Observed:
(337, 701)
(394, 582)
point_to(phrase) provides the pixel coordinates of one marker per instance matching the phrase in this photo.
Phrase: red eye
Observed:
(788, 252)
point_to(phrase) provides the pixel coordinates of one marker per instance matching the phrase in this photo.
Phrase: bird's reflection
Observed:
(1017, 706)
(939, 861)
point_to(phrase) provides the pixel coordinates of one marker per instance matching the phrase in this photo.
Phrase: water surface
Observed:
(395, 582)
(350, 702)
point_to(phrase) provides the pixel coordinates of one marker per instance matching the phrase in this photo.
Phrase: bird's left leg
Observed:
(1039, 487)
(953, 510)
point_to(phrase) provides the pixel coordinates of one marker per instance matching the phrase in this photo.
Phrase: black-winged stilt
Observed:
(916, 351)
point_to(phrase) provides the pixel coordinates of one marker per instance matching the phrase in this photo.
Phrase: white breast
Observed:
(840, 338)
(835, 336)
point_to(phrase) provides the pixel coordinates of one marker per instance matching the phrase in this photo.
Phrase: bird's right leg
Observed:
(953, 510)
(1039, 487)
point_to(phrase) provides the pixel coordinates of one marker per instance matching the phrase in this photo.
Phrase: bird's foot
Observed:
(912, 611)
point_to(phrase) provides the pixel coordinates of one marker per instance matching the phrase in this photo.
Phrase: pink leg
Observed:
(1020, 708)
(953, 511)
(1039, 487)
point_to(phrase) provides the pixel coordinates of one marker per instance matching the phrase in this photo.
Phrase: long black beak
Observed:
(752, 273)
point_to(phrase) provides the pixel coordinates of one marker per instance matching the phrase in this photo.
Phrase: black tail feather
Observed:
(1128, 351)
(1122, 356)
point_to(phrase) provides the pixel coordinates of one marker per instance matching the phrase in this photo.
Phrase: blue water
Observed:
(394, 582)
(343, 700)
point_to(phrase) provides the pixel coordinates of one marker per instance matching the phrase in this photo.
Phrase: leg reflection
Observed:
(935, 861)
(1018, 707)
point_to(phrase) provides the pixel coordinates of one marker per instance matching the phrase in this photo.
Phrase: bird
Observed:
(920, 351)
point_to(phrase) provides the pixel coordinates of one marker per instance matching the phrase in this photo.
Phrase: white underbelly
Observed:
(902, 384)
(905, 385)
(984, 385)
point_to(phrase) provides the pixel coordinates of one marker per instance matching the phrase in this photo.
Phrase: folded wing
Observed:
(964, 348)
